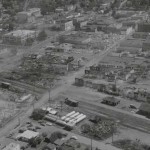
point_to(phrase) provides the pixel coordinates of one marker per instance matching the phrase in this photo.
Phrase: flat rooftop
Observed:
(20, 33)
(28, 134)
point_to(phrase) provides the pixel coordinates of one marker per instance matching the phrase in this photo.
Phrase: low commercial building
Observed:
(80, 24)
(65, 24)
(18, 37)
(12, 146)
(27, 135)
(111, 101)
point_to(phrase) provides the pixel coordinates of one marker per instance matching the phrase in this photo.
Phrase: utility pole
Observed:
(61, 103)
(49, 95)
(112, 132)
(91, 143)
(19, 121)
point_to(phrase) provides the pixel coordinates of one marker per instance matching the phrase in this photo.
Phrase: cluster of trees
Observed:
(38, 114)
(48, 6)
(41, 37)
(12, 6)
(100, 130)
(127, 144)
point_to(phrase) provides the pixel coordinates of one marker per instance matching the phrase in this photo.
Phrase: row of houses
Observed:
(137, 94)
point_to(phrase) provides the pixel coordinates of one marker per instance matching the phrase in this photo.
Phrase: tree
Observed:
(29, 41)
(85, 128)
(44, 134)
(47, 6)
(42, 36)
(33, 142)
(12, 6)
(87, 148)
(38, 114)
(55, 135)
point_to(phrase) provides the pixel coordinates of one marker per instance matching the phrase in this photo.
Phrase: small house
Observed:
(111, 101)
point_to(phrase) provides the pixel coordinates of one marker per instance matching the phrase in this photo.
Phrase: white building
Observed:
(27, 135)
(18, 36)
(12, 146)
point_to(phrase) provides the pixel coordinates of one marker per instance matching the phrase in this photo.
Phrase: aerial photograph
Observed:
(74, 75)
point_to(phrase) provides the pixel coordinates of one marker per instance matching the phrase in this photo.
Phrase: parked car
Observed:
(49, 124)
(74, 137)
(65, 134)
(42, 124)
(132, 106)
(37, 127)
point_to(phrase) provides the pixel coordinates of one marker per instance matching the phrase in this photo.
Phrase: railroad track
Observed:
(126, 118)
(27, 87)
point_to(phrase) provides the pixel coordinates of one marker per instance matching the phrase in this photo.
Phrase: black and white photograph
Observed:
(74, 74)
